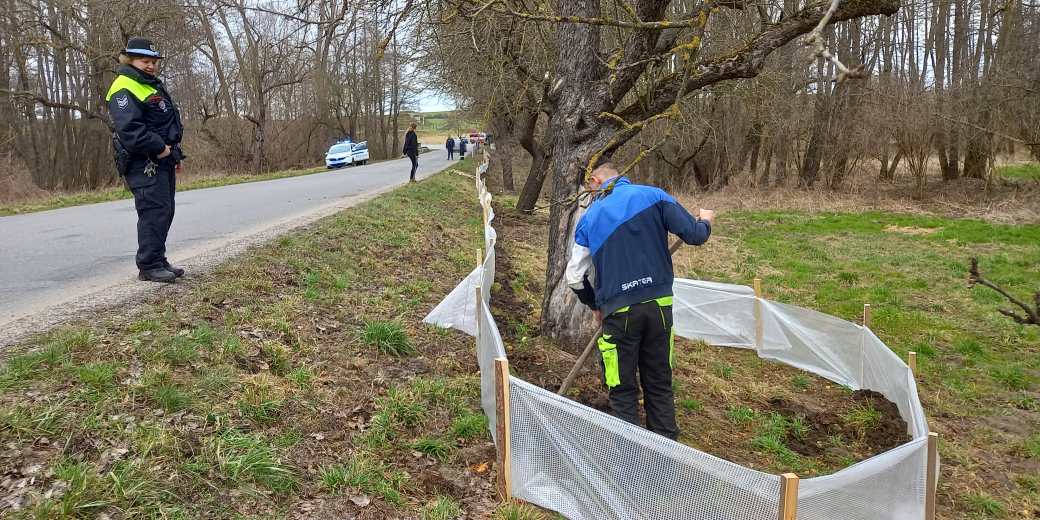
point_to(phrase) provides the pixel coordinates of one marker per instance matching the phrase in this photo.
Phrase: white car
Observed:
(346, 153)
(339, 155)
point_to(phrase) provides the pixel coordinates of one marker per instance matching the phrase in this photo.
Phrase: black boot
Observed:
(157, 275)
(177, 271)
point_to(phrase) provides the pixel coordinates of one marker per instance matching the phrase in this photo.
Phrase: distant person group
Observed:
(451, 144)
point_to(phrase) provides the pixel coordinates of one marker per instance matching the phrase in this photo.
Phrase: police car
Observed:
(346, 153)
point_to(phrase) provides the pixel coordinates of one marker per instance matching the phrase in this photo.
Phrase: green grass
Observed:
(261, 402)
(367, 474)
(470, 426)
(442, 508)
(862, 418)
(801, 382)
(248, 459)
(388, 337)
(1031, 447)
(985, 505)
(515, 511)
(437, 448)
(974, 364)
(741, 415)
(223, 400)
(170, 397)
(691, 405)
(1027, 171)
(110, 194)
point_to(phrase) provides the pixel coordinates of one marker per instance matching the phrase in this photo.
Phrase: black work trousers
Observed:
(154, 201)
(414, 157)
(639, 339)
(451, 153)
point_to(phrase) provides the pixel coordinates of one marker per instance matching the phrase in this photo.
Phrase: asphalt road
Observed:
(57, 256)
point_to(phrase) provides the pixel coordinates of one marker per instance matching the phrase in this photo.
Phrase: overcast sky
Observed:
(433, 101)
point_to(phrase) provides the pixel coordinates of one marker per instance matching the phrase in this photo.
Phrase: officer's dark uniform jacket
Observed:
(625, 235)
(144, 115)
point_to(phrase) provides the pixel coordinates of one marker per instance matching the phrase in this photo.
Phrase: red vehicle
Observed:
(477, 137)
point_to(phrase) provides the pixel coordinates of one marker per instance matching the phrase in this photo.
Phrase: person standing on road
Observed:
(450, 145)
(624, 236)
(147, 140)
(411, 149)
(462, 148)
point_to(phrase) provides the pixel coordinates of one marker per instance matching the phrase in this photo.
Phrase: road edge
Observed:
(130, 291)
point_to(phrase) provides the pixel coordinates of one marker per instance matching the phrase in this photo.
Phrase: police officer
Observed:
(624, 236)
(147, 140)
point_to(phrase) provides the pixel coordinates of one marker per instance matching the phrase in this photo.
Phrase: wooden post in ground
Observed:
(478, 297)
(932, 477)
(911, 359)
(788, 496)
(758, 313)
(505, 483)
(866, 315)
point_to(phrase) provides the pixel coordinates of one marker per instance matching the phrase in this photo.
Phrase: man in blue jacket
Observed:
(624, 236)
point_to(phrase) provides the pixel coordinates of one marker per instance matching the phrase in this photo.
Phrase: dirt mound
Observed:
(878, 427)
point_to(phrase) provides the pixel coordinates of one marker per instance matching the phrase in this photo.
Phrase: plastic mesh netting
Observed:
(589, 465)
(586, 464)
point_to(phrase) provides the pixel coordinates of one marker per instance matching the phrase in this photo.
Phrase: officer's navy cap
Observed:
(142, 47)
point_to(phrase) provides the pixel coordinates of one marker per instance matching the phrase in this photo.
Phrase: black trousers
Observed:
(415, 164)
(639, 339)
(451, 153)
(154, 201)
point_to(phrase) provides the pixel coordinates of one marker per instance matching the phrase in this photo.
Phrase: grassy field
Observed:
(110, 194)
(298, 381)
(437, 126)
(1024, 171)
(294, 382)
(979, 371)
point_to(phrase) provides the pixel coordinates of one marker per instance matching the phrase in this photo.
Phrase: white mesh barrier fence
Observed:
(489, 347)
(888, 486)
(589, 465)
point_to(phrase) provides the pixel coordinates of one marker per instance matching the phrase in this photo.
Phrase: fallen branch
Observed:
(1032, 315)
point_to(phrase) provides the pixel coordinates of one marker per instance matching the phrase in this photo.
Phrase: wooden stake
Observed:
(480, 257)
(932, 477)
(759, 333)
(866, 315)
(912, 361)
(479, 296)
(788, 496)
(505, 484)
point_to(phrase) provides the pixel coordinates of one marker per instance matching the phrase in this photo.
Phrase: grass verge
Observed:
(296, 381)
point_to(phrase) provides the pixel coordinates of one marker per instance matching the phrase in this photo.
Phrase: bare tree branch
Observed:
(1032, 315)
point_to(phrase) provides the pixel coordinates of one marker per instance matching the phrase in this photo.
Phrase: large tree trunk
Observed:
(576, 136)
(539, 164)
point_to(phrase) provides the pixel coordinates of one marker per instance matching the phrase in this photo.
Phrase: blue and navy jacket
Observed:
(624, 235)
